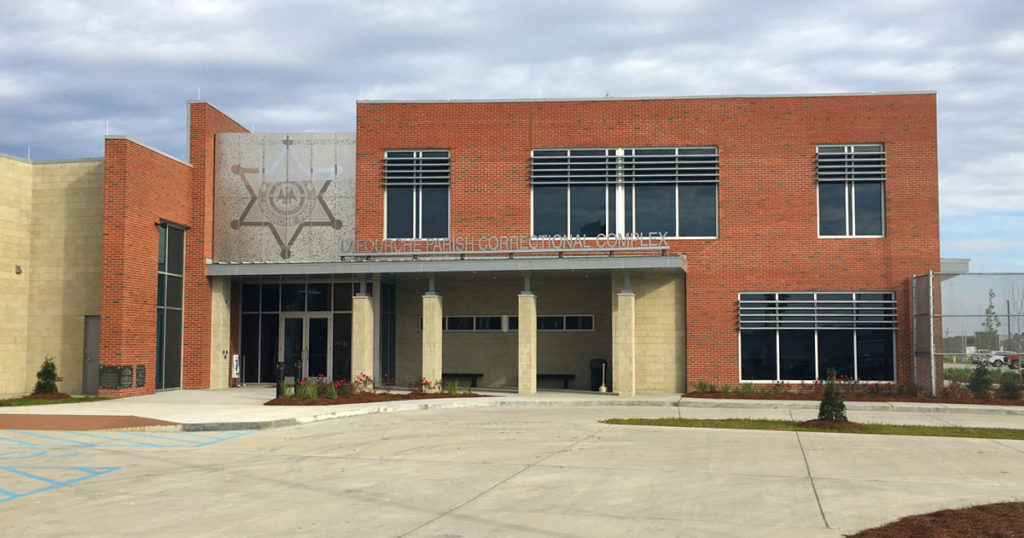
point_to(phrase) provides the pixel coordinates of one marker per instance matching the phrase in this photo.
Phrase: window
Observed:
(798, 336)
(589, 192)
(169, 301)
(565, 323)
(850, 190)
(416, 184)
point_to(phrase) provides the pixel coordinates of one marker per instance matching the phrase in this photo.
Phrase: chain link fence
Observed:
(969, 334)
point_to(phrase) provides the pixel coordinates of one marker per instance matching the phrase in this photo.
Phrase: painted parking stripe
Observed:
(187, 442)
(193, 442)
(200, 435)
(83, 443)
(117, 439)
(88, 472)
(25, 443)
(229, 437)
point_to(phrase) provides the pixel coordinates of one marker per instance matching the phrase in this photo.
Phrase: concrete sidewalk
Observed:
(242, 409)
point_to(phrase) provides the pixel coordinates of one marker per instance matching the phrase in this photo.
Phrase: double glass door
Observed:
(306, 337)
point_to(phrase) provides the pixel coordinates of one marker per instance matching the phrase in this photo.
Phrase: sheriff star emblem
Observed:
(286, 197)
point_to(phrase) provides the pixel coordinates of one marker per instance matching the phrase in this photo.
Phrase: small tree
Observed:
(832, 407)
(981, 381)
(46, 377)
(991, 322)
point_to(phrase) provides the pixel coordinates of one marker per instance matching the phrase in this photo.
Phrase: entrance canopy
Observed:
(405, 264)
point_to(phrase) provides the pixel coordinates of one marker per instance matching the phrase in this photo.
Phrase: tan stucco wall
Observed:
(51, 216)
(660, 330)
(67, 239)
(495, 354)
(15, 249)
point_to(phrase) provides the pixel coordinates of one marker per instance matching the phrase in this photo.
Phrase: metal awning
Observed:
(416, 265)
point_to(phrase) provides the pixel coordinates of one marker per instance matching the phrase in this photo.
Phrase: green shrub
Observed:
(453, 387)
(726, 389)
(909, 389)
(832, 407)
(980, 384)
(701, 386)
(1011, 389)
(747, 388)
(46, 377)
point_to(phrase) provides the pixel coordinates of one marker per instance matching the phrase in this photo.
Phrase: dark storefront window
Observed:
(169, 303)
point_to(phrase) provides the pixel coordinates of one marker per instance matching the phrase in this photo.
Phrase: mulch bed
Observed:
(1000, 519)
(853, 397)
(365, 397)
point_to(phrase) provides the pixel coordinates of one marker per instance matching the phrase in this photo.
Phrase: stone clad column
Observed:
(527, 342)
(624, 343)
(220, 332)
(432, 316)
(362, 337)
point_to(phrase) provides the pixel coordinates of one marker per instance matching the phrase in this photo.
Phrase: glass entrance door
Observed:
(305, 337)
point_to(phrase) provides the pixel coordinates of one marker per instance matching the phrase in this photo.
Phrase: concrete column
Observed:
(624, 345)
(527, 343)
(362, 336)
(432, 316)
(220, 332)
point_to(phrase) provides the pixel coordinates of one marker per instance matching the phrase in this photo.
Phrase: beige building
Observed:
(51, 222)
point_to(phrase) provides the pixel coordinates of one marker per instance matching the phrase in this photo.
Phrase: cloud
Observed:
(69, 67)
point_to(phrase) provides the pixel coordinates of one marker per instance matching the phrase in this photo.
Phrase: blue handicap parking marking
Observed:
(190, 439)
(18, 446)
(21, 454)
(11, 440)
(17, 482)
(8, 440)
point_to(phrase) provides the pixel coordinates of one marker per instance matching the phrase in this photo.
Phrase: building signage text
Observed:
(505, 243)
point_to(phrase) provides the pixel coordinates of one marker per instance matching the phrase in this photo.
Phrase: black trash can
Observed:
(598, 368)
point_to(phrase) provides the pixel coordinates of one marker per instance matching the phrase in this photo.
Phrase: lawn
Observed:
(16, 402)
(793, 425)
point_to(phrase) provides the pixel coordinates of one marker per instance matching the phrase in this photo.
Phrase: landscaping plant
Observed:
(363, 383)
(1010, 389)
(306, 390)
(832, 407)
(981, 382)
(46, 378)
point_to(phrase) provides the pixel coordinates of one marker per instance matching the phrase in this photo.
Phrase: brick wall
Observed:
(205, 122)
(768, 196)
(141, 187)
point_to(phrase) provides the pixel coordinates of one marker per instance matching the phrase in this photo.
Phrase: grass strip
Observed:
(793, 425)
(15, 402)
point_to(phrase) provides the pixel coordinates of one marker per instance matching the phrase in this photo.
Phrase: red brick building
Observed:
(524, 243)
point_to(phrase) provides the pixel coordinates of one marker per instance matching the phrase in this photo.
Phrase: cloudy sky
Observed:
(68, 70)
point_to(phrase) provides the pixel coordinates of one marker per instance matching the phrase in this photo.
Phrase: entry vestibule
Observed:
(582, 309)
(285, 321)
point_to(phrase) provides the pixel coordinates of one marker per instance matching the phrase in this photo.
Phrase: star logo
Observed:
(287, 197)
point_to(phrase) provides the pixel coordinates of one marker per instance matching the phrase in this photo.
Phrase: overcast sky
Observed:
(68, 68)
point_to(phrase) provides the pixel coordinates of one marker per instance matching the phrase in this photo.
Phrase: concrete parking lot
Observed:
(510, 471)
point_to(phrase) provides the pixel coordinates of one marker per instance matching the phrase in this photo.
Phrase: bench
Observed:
(566, 378)
(458, 375)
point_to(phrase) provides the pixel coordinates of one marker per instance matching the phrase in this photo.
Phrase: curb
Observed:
(490, 402)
